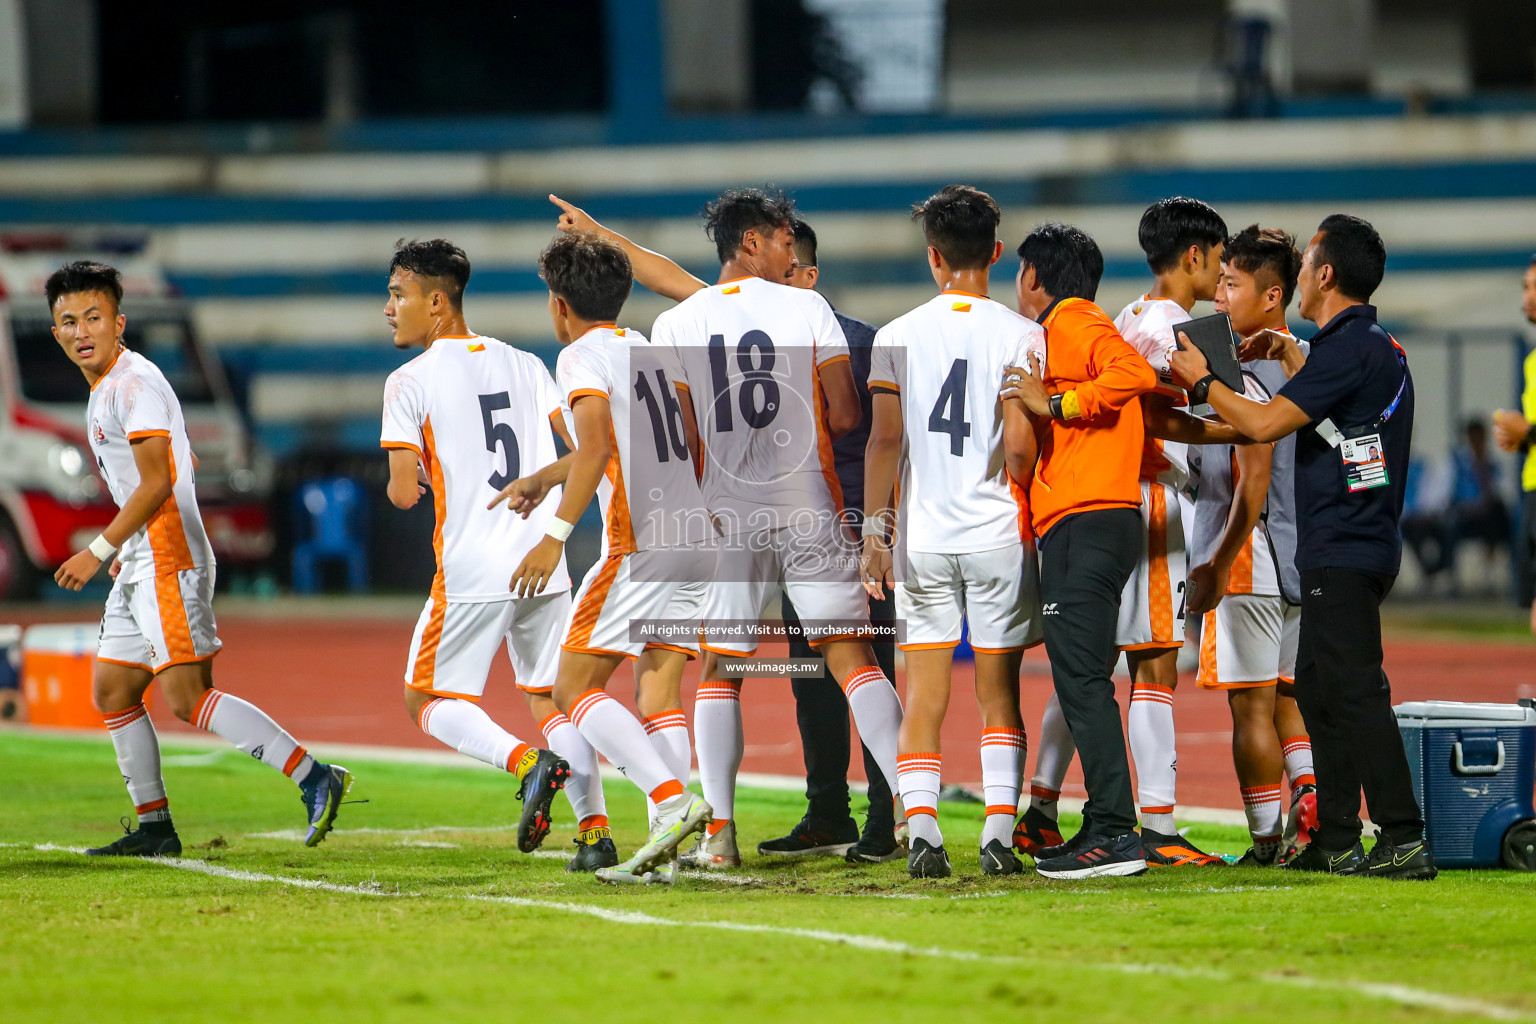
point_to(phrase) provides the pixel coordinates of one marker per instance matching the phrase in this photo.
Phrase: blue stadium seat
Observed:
(333, 513)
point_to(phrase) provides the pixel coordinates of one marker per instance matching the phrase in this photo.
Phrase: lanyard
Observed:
(1402, 360)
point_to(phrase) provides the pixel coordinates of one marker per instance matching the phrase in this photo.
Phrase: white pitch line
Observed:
(1402, 995)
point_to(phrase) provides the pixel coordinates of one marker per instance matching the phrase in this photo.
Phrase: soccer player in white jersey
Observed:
(158, 623)
(1182, 239)
(964, 550)
(636, 448)
(1243, 576)
(468, 413)
(767, 370)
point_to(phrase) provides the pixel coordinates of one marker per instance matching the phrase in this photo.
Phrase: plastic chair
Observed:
(334, 508)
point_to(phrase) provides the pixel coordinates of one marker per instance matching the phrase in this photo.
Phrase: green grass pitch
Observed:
(419, 908)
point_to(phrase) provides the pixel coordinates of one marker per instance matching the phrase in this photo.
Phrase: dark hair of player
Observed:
(1170, 226)
(1355, 252)
(739, 210)
(805, 242)
(438, 260)
(1268, 251)
(1067, 261)
(590, 273)
(85, 276)
(961, 223)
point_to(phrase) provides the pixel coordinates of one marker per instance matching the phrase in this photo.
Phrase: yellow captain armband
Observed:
(1071, 405)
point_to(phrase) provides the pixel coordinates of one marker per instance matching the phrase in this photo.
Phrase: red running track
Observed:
(340, 680)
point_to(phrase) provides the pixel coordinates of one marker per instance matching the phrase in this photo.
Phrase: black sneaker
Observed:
(1036, 832)
(543, 779)
(1411, 860)
(150, 839)
(1175, 852)
(1254, 859)
(997, 859)
(1329, 862)
(927, 861)
(813, 837)
(877, 844)
(1096, 856)
(1070, 846)
(594, 849)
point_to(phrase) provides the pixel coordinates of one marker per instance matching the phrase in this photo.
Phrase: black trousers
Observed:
(1085, 560)
(821, 711)
(1346, 702)
(1525, 549)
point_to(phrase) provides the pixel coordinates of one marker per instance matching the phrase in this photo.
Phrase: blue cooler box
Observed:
(1474, 772)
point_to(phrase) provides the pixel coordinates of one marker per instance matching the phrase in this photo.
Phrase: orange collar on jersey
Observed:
(121, 348)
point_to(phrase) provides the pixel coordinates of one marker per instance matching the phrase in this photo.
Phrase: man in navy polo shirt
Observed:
(1351, 404)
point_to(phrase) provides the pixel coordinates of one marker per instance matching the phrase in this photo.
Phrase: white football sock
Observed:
(1298, 760)
(1150, 724)
(1261, 804)
(1002, 773)
(717, 733)
(249, 728)
(585, 786)
(138, 758)
(1052, 759)
(917, 777)
(618, 736)
(876, 712)
(464, 727)
(668, 731)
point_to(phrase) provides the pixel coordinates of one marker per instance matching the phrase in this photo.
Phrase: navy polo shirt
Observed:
(848, 450)
(1350, 377)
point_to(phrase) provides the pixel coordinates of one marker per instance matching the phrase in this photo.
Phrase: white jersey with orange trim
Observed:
(1148, 325)
(1256, 569)
(649, 495)
(945, 361)
(477, 412)
(750, 352)
(133, 400)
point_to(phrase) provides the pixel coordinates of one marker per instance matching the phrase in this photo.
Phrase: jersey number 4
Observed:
(948, 415)
(500, 435)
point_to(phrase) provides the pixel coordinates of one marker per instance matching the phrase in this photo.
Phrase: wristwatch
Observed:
(1055, 404)
(1200, 393)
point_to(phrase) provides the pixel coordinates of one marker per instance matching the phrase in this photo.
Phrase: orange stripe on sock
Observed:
(202, 711)
(153, 805)
(516, 756)
(1045, 794)
(1158, 810)
(592, 821)
(293, 761)
(1008, 809)
(1304, 780)
(554, 718)
(716, 825)
(666, 791)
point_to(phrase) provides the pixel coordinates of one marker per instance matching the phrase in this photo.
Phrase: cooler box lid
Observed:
(1452, 712)
(64, 638)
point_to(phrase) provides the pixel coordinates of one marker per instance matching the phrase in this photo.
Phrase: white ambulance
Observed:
(52, 501)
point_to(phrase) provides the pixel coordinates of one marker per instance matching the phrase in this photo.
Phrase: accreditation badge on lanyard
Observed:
(1362, 449)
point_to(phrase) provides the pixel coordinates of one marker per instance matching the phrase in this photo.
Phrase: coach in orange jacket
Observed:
(1083, 495)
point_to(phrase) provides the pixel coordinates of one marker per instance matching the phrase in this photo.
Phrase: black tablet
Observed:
(1212, 335)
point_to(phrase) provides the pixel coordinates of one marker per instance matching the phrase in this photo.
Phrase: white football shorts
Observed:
(996, 592)
(159, 622)
(624, 591)
(1152, 604)
(1248, 640)
(455, 642)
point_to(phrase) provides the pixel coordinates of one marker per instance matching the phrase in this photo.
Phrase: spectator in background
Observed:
(1516, 431)
(1461, 499)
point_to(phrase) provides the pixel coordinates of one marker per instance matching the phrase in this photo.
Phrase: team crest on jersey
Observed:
(97, 434)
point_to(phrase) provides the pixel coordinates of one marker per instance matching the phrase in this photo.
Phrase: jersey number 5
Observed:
(500, 435)
(948, 415)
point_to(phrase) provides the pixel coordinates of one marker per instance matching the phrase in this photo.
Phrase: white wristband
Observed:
(102, 548)
(560, 530)
(874, 526)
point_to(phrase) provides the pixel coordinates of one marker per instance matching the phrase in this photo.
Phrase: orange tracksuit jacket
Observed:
(1091, 459)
